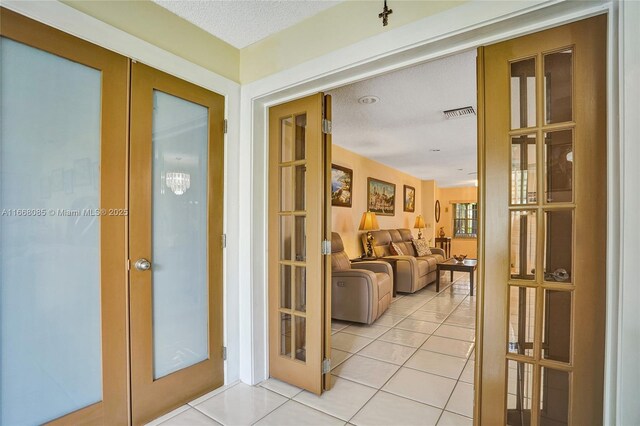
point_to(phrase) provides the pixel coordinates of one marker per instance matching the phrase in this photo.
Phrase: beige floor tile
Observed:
(337, 325)
(387, 409)
(368, 371)
(453, 332)
(400, 311)
(338, 357)
(191, 417)
(428, 316)
(422, 387)
(349, 342)
(389, 352)
(467, 373)
(241, 405)
(284, 389)
(467, 323)
(452, 419)
(404, 337)
(213, 393)
(371, 331)
(418, 326)
(344, 400)
(293, 414)
(461, 401)
(447, 346)
(169, 415)
(439, 309)
(389, 320)
(435, 363)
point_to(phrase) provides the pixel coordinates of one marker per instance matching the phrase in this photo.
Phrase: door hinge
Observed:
(224, 240)
(326, 126)
(128, 264)
(326, 247)
(326, 365)
(225, 125)
(224, 353)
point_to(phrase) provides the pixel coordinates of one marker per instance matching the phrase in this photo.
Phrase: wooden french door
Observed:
(63, 279)
(175, 240)
(542, 128)
(298, 269)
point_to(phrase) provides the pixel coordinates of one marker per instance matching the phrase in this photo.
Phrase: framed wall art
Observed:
(409, 198)
(381, 197)
(341, 186)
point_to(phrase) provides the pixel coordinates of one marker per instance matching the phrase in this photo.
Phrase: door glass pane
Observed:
(519, 393)
(523, 245)
(285, 286)
(285, 334)
(523, 94)
(301, 239)
(301, 288)
(556, 339)
(286, 237)
(50, 310)
(522, 311)
(554, 398)
(286, 146)
(301, 338)
(523, 170)
(558, 251)
(301, 141)
(559, 166)
(180, 278)
(558, 86)
(300, 187)
(286, 197)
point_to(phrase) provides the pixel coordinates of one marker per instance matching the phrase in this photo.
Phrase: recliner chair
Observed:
(360, 292)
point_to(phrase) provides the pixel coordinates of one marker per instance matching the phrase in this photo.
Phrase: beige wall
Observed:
(346, 219)
(156, 25)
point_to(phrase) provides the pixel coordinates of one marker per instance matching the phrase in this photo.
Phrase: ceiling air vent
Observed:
(459, 112)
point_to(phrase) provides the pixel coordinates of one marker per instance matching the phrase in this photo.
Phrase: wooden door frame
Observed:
(283, 87)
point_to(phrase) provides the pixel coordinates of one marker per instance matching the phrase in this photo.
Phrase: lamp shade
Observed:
(419, 222)
(368, 222)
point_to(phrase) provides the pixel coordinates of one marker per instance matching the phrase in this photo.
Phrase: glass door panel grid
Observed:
(533, 356)
(292, 228)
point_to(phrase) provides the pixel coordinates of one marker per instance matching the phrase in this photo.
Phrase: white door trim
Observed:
(470, 25)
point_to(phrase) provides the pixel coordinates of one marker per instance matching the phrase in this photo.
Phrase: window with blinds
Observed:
(465, 220)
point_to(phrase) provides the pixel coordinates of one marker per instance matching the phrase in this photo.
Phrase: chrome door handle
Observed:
(142, 264)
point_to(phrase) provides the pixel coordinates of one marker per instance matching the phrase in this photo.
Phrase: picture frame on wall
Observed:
(409, 198)
(381, 197)
(341, 186)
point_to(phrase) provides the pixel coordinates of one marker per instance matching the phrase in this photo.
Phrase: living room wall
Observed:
(448, 197)
(347, 219)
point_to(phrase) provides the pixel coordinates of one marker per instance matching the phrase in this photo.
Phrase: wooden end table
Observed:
(469, 265)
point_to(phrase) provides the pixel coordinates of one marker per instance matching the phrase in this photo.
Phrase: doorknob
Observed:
(142, 264)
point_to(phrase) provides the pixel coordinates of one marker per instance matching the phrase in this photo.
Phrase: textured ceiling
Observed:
(243, 22)
(407, 122)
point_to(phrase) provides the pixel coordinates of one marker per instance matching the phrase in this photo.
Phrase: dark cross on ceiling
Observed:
(385, 14)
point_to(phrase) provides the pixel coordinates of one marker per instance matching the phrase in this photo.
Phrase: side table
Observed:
(445, 244)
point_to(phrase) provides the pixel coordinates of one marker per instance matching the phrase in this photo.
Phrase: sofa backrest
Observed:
(381, 239)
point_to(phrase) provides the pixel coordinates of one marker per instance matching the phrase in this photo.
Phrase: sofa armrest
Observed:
(354, 295)
(437, 250)
(374, 266)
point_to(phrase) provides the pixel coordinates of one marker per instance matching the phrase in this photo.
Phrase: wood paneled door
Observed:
(542, 127)
(298, 224)
(63, 253)
(175, 240)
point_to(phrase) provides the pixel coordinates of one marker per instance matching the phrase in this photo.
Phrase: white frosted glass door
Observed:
(180, 276)
(50, 300)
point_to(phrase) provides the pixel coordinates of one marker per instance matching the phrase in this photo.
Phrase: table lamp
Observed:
(368, 223)
(419, 225)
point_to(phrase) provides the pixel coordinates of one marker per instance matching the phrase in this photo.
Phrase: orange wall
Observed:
(346, 219)
(447, 197)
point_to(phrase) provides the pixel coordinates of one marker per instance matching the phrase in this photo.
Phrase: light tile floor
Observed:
(414, 366)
